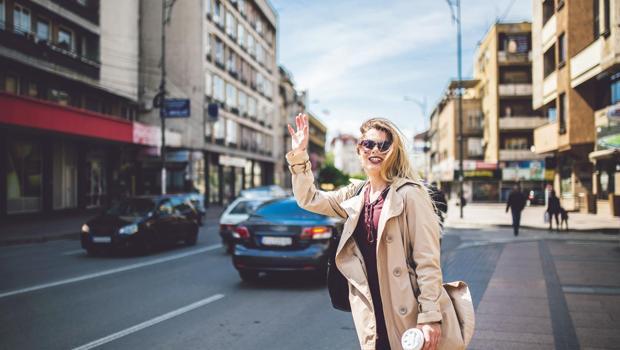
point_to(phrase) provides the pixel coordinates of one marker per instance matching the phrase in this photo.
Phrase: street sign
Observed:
(213, 111)
(176, 108)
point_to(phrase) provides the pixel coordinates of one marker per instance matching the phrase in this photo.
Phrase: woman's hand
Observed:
(432, 334)
(299, 138)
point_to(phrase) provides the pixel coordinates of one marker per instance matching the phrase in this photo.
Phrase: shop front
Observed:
(531, 175)
(606, 159)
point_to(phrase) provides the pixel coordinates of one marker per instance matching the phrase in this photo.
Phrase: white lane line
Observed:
(150, 322)
(74, 252)
(111, 271)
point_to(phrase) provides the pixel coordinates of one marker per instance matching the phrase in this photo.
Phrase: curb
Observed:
(604, 230)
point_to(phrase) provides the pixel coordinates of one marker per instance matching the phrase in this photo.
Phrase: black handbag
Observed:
(337, 284)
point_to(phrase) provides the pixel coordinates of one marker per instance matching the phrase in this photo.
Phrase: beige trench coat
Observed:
(406, 210)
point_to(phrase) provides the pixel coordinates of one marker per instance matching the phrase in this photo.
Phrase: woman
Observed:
(372, 254)
(553, 209)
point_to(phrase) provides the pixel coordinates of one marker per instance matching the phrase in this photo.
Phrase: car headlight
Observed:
(128, 230)
(85, 228)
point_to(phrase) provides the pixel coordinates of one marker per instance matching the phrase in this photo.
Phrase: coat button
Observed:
(397, 272)
(402, 310)
(388, 239)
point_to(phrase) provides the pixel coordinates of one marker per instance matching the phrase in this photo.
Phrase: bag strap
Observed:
(409, 249)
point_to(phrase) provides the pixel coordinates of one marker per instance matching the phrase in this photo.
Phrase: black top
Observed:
(554, 205)
(365, 235)
(516, 201)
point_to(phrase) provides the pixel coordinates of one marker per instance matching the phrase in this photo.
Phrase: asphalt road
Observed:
(54, 296)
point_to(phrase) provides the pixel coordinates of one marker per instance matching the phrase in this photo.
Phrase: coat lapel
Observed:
(353, 207)
(392, 207)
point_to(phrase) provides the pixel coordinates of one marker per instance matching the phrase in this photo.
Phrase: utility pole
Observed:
(460, 97)
(166, 9)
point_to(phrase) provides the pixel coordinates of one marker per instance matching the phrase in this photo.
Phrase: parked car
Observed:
(141, 223)
(198, 202)
(239, 210)
(281, 236)
(536, 197)
(272, 191)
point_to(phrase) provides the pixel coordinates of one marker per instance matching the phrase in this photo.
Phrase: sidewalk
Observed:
(494, 214)
(60, 226)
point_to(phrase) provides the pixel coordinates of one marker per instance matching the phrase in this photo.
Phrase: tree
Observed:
(330, 174)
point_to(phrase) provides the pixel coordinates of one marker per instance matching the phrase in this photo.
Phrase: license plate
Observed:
(102, 239)
(279, 241)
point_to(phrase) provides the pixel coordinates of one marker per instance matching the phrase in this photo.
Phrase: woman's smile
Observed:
(376, 160)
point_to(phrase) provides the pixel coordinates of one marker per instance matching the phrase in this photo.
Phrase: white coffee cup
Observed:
(412, 339)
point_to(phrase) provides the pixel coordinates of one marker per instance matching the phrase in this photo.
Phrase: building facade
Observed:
(344, 148)
(420, 155)
(67, 103)
(502, 66)
(292, 102)
(222, 53)
(575, 74)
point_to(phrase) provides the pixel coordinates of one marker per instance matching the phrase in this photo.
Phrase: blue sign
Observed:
(176, 108)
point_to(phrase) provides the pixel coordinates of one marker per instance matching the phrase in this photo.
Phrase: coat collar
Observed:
(393, 206)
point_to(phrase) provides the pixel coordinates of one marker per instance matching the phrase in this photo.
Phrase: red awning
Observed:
(33, 113)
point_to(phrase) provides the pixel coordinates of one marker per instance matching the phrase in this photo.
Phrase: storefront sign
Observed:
(478, 174)
(176, 108)
(232, 161)
(529, 170)
(150, 135)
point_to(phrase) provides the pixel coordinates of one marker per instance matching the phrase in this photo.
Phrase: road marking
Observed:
(74, 252)
(150, 322)
(111, 271)
(601, 290)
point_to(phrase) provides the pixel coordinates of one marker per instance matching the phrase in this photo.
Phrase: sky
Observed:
(360, 58)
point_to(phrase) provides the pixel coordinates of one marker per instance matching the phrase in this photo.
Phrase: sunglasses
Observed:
(369, 145)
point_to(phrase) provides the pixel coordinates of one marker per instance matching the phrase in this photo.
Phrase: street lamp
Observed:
(459, 93)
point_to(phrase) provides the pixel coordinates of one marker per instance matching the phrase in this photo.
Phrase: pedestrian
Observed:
(381, 292)
(516, 203)
(553, 209)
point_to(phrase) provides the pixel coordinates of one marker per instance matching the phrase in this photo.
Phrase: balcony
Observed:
(88, 10)
(546, 138)
(548, 31)
(550, 87)
(47, 52)
(515, 90)
(587, 63)
(517, 154)
(514, 58)
(521, 122)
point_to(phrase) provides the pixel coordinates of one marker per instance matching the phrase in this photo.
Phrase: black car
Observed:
(280, 236)
(142, 223)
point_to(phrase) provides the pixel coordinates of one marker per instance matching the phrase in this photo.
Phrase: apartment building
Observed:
(344, 148)
(420, 155)
(292, 102)
(479, 176)
(68, 101)
(218, 52)
(575, 73)
(502, 66)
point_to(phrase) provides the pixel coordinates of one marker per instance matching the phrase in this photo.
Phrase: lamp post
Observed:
(459, 93)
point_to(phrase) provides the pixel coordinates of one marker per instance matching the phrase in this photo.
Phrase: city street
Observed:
(530, 292)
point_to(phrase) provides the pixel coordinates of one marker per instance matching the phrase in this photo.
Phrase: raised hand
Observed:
(299, 138)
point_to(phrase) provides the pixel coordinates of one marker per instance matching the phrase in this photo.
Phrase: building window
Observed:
(549, 61)
(596, 19)
(231, 132)
(251, 48)
(562, 49)
(241, 34)
(2, 15)
(208, 84)
(607, 19)
(33, 89)
(474, 147)
(43, 29)
(514, 76)
(514, 43)
(231, 25)
(24, 174)
(207, 7)
(11, 84)
(218, 17)
(252, 107)
(516, 143)
(218, 88)
(563, 113)
(548, 9)
(231, 63)
(615, 88)
(65, 39)
(207, 46)
(218, 130)
(219, 52)
(231, 95)
(243, 103)
(21, 19)
(59, 96)
(551, 113)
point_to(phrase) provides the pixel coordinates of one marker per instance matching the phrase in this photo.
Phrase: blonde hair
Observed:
(397, 163)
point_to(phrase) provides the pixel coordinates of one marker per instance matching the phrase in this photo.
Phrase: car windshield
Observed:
(131, 207)
(285, 208)
(245, 207)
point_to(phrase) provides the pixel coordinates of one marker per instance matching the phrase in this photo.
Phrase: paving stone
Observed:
(599, 338)
(506, 345)
(594, 319)
(517, 336)
(517, 307)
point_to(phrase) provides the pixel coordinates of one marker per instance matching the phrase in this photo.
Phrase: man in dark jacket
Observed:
(516, 203)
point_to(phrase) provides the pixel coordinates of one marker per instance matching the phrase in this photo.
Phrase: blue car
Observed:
(281, 236)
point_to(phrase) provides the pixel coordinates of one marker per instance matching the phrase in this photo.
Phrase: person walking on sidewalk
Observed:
(554, 209)
(378, 213)
(516, 203)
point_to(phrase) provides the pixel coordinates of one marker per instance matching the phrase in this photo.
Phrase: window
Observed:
(251, 44)
(252, 107)
(207, 46)
(260, 54)
(516, 43)
(218, 88)
(607, 12)
(563, 113)
(242, 9)
(615, 88)
(231, 131)
(241, 34)
(231, 63)
(474, 147)
(548, 10)
(259, 26)
(2, 15)
(514, 76)
(259, 82)
(231, 95)
(21, 19)
(596, 22)
(551, 113)
(11, 84)
(516, 143)
(207, 7)
(218, 130)
(549, 61)
(24, 174)
(243, 103)
(208, 84)
(218, 17)
(231, 25)
(43, 29)
(59, 96)
(562, 49)
(33, 89)
(65, 39)
(219, 52)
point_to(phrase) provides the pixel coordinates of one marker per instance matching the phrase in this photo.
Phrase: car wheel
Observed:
(248, 276)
